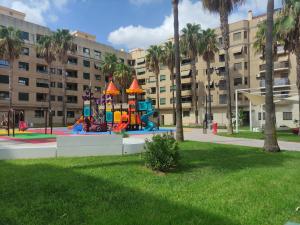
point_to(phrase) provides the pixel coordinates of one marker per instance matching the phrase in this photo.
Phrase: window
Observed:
(186, 99)
(237, 81)
(151, 79)
(59, 113)
(97, 77)
(237, 36)
(52, 70)
(186, 61)
(97, 88)
(153, 90)
(71, 73)
(39, 113)
(259, 116)
(85, 87)
(59, 98)
(142, 81)
(24, 35)
(42, 83)
(162, 77)
(237, 66)
(23, 96)
(52, 84)
(245, 34)
(222, 84)
(4, 79)
(162, 89)
(3, 63)
(171, 100)
(246, 50)
(59, 71)
(70, 114)
(246, 65)
(72, 60)
(140, 61)
(86, 63)
(186, 113)
(186, 86)
(25, 51)
(162, 101)
(86, 76)
(86, 51)
(23, 66)
(246, 80)
(72, 86)
(140, 71)
(38, 37)
(223, 99)
(220, 40)
(173, 88)
(41, 69)
(287, 115)
(222, 58)
(52, 97)
(71, 99)
(23, 81)
(153, 101)
(4, 95)
(97, 54)
(41, 97)
(59, 85)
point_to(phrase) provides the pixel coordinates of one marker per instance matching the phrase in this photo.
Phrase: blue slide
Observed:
(145, 118)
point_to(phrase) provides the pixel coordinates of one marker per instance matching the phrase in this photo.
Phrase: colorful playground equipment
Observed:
(100, 115)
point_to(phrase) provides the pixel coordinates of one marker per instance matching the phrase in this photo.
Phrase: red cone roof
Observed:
(112, 89)
(134, 88)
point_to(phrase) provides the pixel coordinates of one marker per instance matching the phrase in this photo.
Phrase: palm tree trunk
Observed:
(270, 144)
(225, 35)
(209, 93)
(49, 94)
(157, 100)
(64, 119)
(194, 93)
(10, 83)
(173, 96)
(297, 50)
(179, 128)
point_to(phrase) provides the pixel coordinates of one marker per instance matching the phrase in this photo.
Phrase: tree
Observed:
(169, 60)
(289, 31)
(207, 48)
(179, 127)
(46, 49)
(189, 45)
(109, 64)
(270, 143)
(63, 44)
(10, 49)
(123, 76)
(224, 8)
(153, 59)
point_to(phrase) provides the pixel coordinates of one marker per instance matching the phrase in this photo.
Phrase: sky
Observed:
(125, 24)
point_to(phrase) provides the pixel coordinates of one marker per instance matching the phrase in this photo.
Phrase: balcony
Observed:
(277, 82)
(278, 66)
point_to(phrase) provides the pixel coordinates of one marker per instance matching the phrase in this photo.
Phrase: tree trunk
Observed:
(225, 35)
(49, 94)
(270, 144)
(179, 128)
(173, 96)
(157, 99)
(297, 50)
(209, 93)
(64, 119)
(10, 83)
(194, 93)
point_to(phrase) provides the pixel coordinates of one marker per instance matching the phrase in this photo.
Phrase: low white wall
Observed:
(27, 153)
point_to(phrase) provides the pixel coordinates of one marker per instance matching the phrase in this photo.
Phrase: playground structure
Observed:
(8, 122)
(101, 115)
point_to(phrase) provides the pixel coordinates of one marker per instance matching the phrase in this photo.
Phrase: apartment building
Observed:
(30, 72)
(247, 70)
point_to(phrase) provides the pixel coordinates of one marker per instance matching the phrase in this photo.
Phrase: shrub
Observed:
(161, 153)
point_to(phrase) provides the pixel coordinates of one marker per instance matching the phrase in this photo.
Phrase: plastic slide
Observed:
(78, 125)
(122, 125)
(149, 125)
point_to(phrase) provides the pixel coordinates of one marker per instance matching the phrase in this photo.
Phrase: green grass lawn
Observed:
(281, 135)
(214, 185)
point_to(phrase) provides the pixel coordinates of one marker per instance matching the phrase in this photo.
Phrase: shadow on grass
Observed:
(45, 194)
(227, 158)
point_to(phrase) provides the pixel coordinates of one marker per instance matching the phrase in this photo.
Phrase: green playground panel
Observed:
(34, 136)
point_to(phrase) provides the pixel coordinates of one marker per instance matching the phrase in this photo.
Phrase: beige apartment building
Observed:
(30, 83)
(247, 70)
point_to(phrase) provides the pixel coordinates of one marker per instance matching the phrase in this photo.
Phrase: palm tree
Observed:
(109, 64)
(207, 48)
(45, 49)
(179, 128)
(123, 76)
(169, 60)
(11, 46)
(289, 30)
(63, 44)
(153, 59)
(270, 143)
(189, 45)
(224, 8)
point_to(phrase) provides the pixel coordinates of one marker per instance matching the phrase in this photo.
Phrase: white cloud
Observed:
(142, 2)
(37, 11)
(189, 12)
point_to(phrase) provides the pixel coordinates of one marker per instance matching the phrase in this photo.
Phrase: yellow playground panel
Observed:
(4, 132)
(117, 116)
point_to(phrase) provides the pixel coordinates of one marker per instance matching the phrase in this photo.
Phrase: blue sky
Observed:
(124, 23)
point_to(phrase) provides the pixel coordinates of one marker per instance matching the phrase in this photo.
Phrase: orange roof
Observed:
(112, 89)
(134, 88)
